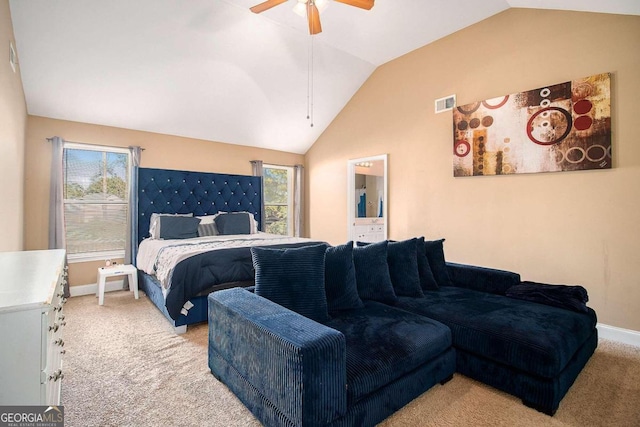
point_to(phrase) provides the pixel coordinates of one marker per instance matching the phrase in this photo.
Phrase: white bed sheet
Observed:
(159, 257)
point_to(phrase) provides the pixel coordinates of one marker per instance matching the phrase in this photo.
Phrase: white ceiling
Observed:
(211, 69)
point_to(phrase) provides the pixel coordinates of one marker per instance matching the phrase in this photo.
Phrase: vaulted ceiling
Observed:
(213, 70)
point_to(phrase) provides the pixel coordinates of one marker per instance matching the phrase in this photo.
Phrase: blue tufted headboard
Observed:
(200, 193)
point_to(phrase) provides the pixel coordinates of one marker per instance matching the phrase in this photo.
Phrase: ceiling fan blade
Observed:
(362, 4)
(259, 8)
(313, 16)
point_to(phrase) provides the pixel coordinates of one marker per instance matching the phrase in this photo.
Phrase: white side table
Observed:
(117, 270)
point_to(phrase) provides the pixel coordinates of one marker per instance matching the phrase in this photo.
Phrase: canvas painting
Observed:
(563, 127)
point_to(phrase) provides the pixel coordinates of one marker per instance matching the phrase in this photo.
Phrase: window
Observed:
(278, 199)
(96, 194)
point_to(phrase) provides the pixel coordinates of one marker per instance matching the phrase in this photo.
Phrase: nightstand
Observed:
(117, 270)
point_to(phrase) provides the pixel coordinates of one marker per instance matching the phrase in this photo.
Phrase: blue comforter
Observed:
(197, 273)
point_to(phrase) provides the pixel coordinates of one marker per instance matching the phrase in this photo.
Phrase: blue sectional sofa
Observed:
(348, 335)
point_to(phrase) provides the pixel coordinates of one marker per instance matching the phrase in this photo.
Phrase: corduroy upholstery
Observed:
(532, 350)
(291, 371)
(403, 268)
(293, 278)
(383, 344)
(340, 278)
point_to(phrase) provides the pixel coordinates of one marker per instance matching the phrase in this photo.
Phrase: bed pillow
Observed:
(293, 278)
(427, 281)
(435, 254)
(178, 227)
(207, 229)
(403, 268)
(252, 220)
(372, 273)
(233, 223)
(154, 223)
(340, 278)
(207, 226)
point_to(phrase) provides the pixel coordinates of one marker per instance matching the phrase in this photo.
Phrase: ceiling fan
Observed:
(313, 15)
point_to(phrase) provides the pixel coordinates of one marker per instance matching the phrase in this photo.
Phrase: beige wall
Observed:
(13, 119)
(573, 227)
(160, 151)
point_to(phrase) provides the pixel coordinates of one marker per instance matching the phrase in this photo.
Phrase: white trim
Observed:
(613, 333)
(94, 147)
(95, 256)
(92, 289)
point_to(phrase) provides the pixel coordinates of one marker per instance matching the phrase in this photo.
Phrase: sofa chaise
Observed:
(348, 335)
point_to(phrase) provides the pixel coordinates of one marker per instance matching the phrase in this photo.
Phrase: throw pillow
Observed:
(293, 278)
(154, 223)
(372, 273)
(178, 227)
(427, 281)
(207, 229)
(403, 268)
(435, 254)
(233, 223)
(340, 278)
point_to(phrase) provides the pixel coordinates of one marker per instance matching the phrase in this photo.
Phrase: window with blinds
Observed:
(278, 199)
(96, 194)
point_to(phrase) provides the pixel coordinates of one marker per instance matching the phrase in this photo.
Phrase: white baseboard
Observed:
(111, 285)
(613, 333)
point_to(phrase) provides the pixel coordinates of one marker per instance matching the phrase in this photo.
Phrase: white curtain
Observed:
(258, 170)
(298, 200)
(56, 200)
(131, 247)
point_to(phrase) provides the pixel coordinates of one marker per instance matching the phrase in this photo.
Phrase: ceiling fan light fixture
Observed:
(321, 5)
(300, 8)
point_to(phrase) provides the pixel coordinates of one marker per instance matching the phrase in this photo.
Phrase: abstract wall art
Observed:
(563, 127)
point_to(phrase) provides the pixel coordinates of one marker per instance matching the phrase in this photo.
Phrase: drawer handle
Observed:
(59, 342)
(54, 328)
(63, 351)
(61, 317)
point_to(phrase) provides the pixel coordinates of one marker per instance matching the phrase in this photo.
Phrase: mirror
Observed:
(367, 198)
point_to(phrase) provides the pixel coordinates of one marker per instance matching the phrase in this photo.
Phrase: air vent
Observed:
(13, 58)
(445, 104)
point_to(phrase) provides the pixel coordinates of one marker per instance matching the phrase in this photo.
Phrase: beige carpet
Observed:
(124, 366)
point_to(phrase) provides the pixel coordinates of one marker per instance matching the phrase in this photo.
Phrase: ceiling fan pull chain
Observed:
(309, 79)
(311, 88)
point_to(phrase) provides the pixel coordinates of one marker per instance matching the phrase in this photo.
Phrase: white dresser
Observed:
(31, 325)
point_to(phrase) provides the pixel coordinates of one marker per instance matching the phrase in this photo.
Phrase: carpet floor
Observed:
(124, 366)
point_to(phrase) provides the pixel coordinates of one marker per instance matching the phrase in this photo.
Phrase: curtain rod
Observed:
(86, 143)
(276, 164)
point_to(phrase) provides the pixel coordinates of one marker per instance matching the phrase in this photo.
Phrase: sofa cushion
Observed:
(435, 254)
(293, 278)
(340, 278)
(403, 268)
(482, 278)
(383, 344)
(530, 337)
(427, 280)
(372, 273)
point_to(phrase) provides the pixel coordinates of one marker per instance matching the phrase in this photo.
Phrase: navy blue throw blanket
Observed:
(563, 296)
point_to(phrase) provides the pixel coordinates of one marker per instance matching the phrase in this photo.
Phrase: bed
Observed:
(200, 264)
